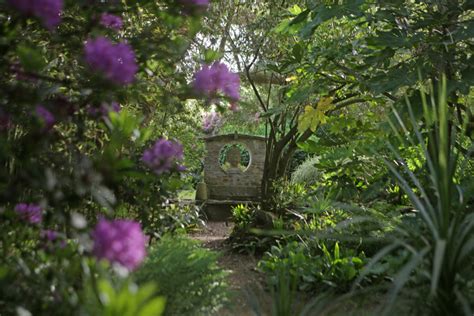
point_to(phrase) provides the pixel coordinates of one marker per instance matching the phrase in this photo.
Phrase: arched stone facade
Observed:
(234, 183)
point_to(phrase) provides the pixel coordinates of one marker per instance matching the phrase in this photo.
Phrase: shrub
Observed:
(243, 215)
(440, 243)
(307, 173)
(288, 196)
(187, 275)
(312, 267)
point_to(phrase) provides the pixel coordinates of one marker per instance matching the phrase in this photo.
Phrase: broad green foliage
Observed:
(312, 267)
(128, 300)
(368, 183)
(188, 276)
(441, 244)
(81, 102)
(288, 196)
(392, 42)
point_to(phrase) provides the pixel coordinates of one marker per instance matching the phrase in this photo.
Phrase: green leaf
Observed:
(465, 31)
(211, 55)
(313, 117)
(439, 254)
(295, 10)
(468, 5)
(300, 18)
(336, 251)
(393, 39)
(146, 291)
(155, 307)
(31, 58)
(282, 27)
(298, 52)
(106, 292)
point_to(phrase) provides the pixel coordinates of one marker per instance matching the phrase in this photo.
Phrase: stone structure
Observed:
(234, 184)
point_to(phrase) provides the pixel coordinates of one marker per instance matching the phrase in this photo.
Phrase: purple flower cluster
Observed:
(111, 21)
(112, 107)
(164, 156)
(49, 235)
(211, 122)
(115, 61)
(30, 213)
(52, 240)
(46, 117)
(48, 11)
(210, 80)
(120, 241)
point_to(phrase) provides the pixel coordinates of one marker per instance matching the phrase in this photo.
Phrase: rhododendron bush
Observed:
(81, 145)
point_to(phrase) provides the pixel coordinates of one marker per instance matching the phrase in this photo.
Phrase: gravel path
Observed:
(245, 282)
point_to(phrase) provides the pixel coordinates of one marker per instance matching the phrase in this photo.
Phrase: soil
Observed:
(245, 282)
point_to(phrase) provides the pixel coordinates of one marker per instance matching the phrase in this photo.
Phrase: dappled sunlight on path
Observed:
(245, 283)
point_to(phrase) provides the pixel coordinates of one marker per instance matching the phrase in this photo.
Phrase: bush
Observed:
(187, 275)
(307, 173)
(288, 197)
(168, 217)
(312, 267)
(243, 215)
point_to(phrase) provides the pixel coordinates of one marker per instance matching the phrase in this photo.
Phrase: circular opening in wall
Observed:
(234, 157)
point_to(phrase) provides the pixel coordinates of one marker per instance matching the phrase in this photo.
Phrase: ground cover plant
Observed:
(367, 194)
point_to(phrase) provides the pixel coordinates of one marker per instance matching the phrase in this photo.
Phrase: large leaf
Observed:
(313, 117)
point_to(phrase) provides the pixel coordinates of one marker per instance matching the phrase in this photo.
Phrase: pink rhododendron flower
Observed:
(214, 79)
(120, 241)
(48, 11)
(30, 213)
(164, 156)
(111, 21)
(115, 61)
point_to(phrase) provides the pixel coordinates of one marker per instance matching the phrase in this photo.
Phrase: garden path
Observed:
(245, 282)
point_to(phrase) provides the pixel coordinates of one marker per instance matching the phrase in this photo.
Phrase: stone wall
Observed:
(234, 184)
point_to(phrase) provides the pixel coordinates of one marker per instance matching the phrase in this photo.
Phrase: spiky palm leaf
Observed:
(445, 254)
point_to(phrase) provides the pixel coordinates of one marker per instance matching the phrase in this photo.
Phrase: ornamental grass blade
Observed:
(421, 141)
(414, 199)
(403, 276)
(373, 261)
(466, 306)
(465, 254)
(320, 304)
(440, 250)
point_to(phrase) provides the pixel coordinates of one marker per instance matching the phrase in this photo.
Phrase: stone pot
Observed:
(201, 191)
